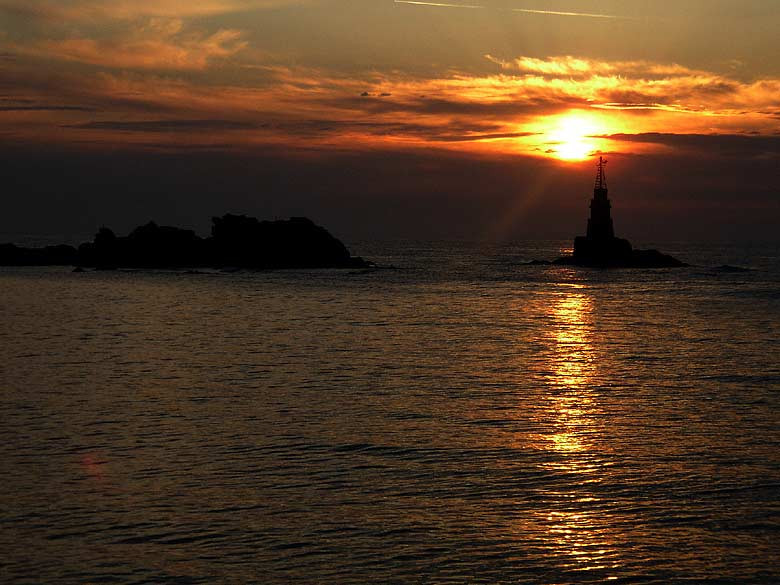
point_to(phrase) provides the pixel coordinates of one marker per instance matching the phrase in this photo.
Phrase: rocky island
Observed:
(236, 241)
(600, 248)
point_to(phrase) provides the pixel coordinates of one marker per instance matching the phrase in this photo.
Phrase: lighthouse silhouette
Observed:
(600, 223)
(600, 246)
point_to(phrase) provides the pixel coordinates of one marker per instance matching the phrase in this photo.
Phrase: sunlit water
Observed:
(464, 419)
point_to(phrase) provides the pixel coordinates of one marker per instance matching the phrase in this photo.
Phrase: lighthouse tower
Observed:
(600, 223)
(600, 247)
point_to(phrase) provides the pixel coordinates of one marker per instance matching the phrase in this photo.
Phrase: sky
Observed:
(475, 119)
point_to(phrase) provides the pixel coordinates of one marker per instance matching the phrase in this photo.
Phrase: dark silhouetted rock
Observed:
(536, 263)
(147, 246)
(654, 259)
(237, 241)
(615, 253)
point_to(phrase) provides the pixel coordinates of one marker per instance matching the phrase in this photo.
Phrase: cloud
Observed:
(101, 10)
(644, 85)
(568, 65)
(738, 145)
(481, 137)
(45, 108)
(157, 43)
(166, 125)
(308, 129)
(454, 105)
(317, 109)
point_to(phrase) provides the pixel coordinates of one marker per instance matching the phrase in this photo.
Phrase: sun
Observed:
(570, 138)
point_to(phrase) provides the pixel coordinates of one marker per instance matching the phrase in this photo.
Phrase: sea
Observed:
(456, 416)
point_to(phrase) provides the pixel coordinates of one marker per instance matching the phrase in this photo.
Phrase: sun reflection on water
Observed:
(572, 322)
(572, 365)
(574, 524)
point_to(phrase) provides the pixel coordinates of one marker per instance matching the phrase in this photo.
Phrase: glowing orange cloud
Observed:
(158, 43)
(561, 107)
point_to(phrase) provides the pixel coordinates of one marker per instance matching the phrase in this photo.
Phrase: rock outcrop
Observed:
(615, 253)
(236, 241)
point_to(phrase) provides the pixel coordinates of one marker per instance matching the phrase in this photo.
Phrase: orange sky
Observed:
(560, 80)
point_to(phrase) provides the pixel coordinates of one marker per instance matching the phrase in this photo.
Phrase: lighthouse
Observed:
(600, 223)
(600, 246)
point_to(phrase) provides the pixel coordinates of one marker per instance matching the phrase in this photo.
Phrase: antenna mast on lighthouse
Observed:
(601, 177)
(600, 223)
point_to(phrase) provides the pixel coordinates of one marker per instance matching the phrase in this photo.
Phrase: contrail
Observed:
(439, 4)
(555, 13)
(523, 10)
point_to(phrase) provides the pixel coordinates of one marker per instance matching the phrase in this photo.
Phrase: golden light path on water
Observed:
(580, 535)
(573, 365)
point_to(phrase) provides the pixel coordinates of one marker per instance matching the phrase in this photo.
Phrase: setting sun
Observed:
(571, 137)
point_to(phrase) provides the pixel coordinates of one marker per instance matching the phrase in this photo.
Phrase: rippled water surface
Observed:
(463, 419)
